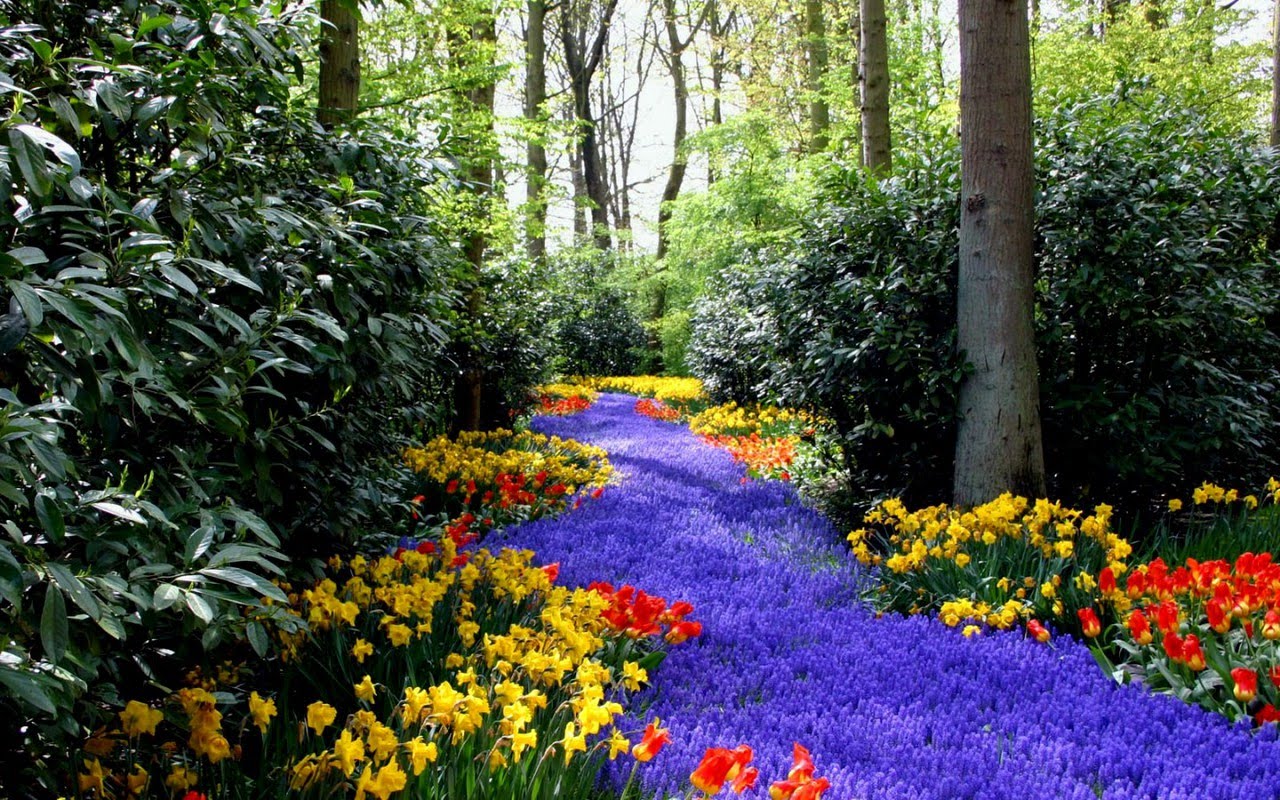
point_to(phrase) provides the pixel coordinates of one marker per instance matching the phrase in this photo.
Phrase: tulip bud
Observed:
(1246, 684)
(1038, 632)
(1089, 624)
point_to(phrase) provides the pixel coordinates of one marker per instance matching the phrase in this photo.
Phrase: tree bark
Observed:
(581, 227)
(339, 96)
(479, 170)
(998, 445)
(816, 48)
(1275, 75)
(535, 95)
(873, 71)
(582, 62)
(680, 94)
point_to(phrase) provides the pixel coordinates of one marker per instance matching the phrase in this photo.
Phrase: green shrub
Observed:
(1157, 317)
(233, 316)
(1156, 312)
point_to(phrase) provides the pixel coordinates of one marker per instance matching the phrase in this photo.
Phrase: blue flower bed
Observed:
(892, 707)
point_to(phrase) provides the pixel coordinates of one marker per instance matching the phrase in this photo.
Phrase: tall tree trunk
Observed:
(680, 94)
(816, 48)
(873, 70)
(719, 29)
(998, 446)
(535, 95)
(339, 62)
(582, 62)
(581, 227)
(479, 169)
(1275, 75)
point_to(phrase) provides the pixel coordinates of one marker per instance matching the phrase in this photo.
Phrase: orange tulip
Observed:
(1038, 631)
(1089, 623)
(1246, 684)
(655, 738)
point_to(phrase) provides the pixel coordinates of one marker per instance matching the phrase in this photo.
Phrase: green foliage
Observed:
(510, 335)
(593, 318)
(599, 337)
(232, 316)
(1156, 316)
(1186, 54)
(857, 322)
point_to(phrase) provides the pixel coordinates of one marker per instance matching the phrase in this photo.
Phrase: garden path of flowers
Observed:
(891, 708)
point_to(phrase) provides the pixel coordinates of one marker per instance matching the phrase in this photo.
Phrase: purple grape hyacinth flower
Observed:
(894, 707)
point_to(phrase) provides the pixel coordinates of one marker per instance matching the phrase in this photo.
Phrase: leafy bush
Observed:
(600, 336)
(1156, 312)
(857, 322)
(223, 319)
(1157, 317)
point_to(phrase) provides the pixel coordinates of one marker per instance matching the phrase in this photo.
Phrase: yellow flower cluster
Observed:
(677, 391)
(735, 420)
(997, 564)
(564, 391)
(206, 741)
(483, 456)
(944, 533)
(496, 682)
(1211, 493)
(1005, 616)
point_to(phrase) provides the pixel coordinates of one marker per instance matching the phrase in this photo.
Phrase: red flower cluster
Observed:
(800, 783)
(1233, 609)
(657, 409)
(720, 766)
(763, 455)
(636, 613)
(562, 406)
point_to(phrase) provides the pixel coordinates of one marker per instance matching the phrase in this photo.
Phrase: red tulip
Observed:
(1089, 623)
(1271, 625)
(1106, 581)
(1192, 653)
(1038, 632)
(800, 783)
(1139, 628)
(1246, 684)
(651, 744)
(745, 780)
(718, 767)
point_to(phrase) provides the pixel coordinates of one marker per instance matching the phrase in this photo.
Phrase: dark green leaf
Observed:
(50, 517)
(54, 632)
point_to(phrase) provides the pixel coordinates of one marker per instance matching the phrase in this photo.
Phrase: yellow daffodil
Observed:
(348, 751)
(421, 753)
(573, 742)
(320, 715)
(365, 690)
(139, 718)
(261, 710)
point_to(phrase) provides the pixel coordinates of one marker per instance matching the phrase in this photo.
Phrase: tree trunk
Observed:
(339, 62)
(469, 385)
(675, 177)
(873, 71)
(535, 95)
(581, 228)
(1275, 76)
(816, 47)
(719, 30)
(998, 445)
(582, 62)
